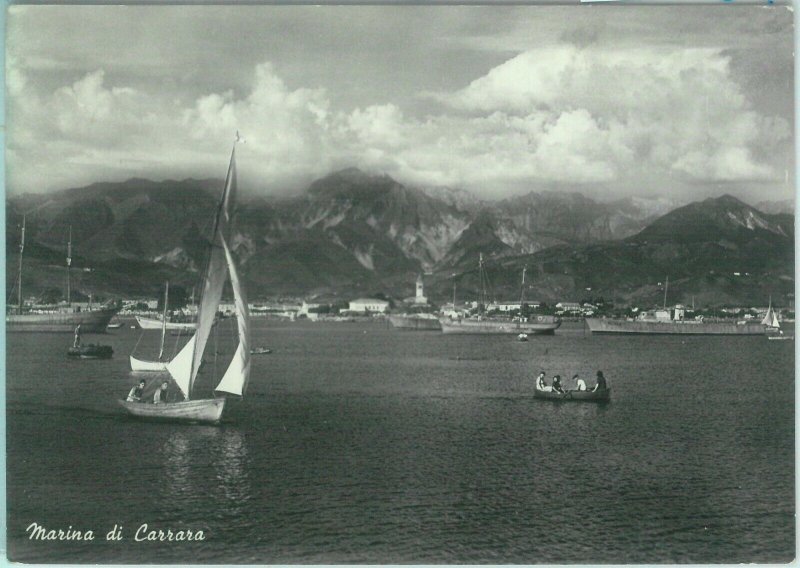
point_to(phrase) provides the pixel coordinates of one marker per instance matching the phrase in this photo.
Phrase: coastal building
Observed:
(306, 308)
(369, 305)
(568, 308)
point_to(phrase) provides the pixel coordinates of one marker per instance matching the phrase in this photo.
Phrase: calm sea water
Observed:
(359, 443)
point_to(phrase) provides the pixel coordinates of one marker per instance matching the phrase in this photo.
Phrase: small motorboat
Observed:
(780, 337)
(260, 351)
(574, 395)
(114, 325)
(522, 337)
(91, 351)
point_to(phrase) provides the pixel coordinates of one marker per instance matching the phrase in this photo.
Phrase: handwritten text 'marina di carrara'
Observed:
(143, 534)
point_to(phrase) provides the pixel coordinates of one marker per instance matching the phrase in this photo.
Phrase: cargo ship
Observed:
(671, 322)
(416, 322)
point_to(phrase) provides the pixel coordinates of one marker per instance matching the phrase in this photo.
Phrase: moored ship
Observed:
(418, 322)
(535, 325)
(671, 322)
(91, 321)
(482, 324)
(60, 318)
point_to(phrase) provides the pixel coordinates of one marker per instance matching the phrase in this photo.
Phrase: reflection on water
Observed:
(230, 463)
(177, 460)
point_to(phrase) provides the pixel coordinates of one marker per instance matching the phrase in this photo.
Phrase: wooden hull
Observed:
(140, 365)
(541, 325)
(153, 323)
(203, 411)
(574, 396)
(91, 351)
(91, 321)
(626, 327)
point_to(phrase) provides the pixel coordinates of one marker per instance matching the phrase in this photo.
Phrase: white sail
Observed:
(164, 322)
(181, 367)
(235, 379)
(771, 319)
(216, 272)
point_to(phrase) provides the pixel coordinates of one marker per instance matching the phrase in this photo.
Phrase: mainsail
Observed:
(185, 366)
(235, 379)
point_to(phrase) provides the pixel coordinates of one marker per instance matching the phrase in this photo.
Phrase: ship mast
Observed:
(69, 264)
(666, 287)
(454, 292)
(522, 293)
(482, 293)
(21, 250)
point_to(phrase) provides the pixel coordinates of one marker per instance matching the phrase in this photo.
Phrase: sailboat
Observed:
(535, 325)
(186, 364)
(772, 327)
(770, 320)
(63, 318)
(160, 365)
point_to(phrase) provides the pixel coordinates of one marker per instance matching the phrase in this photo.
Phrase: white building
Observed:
(365, 305)
(568, 307)
(306, 308)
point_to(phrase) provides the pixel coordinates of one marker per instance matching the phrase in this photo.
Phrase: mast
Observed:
(482, 292)
(21, 250)
(666, 287)
(69, 264)
(164, 322)
(522, 291)
(454, 292)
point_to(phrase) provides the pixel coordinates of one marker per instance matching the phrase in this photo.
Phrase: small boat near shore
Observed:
(603, 395)
(90, 351)
(115, 325)
(260, 351)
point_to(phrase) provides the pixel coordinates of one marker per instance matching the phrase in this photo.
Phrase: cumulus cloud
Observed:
(558, 114)
(672, 109)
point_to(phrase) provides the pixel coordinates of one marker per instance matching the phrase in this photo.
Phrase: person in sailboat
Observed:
(160, 396)
(580, 384)
(557, 384)
(135, 395)
(541, 384)
(77, 341)
(601, 382)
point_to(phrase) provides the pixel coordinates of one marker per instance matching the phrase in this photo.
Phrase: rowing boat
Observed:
(574, 395)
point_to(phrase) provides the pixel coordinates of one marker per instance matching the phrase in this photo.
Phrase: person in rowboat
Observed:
(160, 395)
(580, 384)
(77, 342)
(541, 384)
(136, 392)
(557, 384)
(601, 382)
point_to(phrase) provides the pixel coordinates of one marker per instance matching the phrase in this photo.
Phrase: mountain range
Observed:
(352, 233)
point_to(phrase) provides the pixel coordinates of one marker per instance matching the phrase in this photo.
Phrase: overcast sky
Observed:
(688, 101)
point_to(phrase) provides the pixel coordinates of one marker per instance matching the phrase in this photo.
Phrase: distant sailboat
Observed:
(770, 321)
(160, 365)
(63, 318)
(186, 364)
